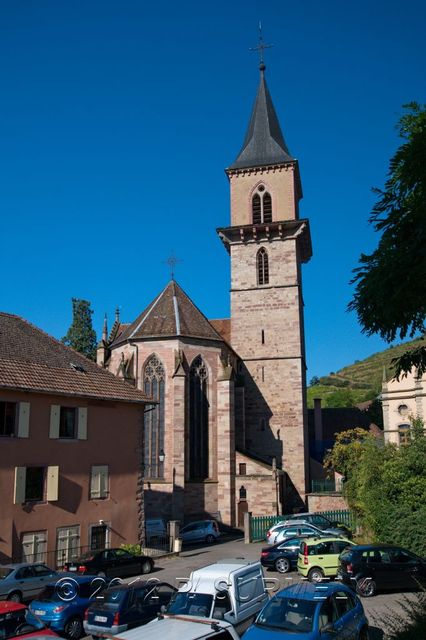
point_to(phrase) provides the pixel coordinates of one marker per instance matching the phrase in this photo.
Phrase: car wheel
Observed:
(363, 634)
(366, 587)
(73, 628)
(210, 538)
(15, 596)
(282, 565)
(315, 575)
(146, 566)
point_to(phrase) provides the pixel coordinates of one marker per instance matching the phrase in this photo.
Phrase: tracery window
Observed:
(261, 206)
(154, 387)
(262, 265)
(198, 421)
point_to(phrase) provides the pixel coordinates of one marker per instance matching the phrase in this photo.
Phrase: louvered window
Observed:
(261, 206)
(262, 267)
(198, 421)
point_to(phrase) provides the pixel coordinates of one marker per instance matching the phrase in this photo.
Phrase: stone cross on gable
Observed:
(172, 261)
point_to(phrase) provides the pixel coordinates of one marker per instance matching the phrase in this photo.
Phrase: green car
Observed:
(319, 557)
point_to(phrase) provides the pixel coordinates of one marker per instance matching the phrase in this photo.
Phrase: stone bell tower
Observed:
(267, 243)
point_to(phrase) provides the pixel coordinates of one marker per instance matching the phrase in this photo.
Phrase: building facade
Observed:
(402, 400)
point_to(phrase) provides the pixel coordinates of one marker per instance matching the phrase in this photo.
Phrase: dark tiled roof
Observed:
(31, 360)
(171, 314)
(264, 143)
(223, 326)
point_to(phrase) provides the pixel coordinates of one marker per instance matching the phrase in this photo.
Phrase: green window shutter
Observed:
(55, 413)
(24, 420)
(82, 423)
(19, 489)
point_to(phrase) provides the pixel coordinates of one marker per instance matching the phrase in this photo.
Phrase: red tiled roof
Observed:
(31, 360)
(223, 327)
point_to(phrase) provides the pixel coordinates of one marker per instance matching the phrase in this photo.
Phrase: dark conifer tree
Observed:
(81, 336)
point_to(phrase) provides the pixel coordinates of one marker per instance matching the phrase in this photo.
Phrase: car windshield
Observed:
(11, 626)
(67, 590)
(4, 572)
(288, 614)
(113, 596)
(193, 604)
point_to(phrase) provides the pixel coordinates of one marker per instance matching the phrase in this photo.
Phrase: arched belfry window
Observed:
(262, 264)
(154, 387)
(261, 206)
(198, 421)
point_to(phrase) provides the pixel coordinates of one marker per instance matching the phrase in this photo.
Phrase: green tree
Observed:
(341, 398)
(390, 284)
(81, 336)
(314, 380)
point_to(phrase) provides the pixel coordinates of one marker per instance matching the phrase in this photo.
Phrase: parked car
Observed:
(200, 531)
(298, 529)
(124, 606)
(62, 603)
(320, 521)
(155, 530)
(311, 612)
(282, 556)
(181, 628)
(113, 563)
(375, 567)
(319, 557)
(13, 623)
(23, 580)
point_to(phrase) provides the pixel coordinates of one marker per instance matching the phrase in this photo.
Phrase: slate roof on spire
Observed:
(171, 314)
(264, 143)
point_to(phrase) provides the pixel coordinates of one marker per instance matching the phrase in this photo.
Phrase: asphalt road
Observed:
(175, 570)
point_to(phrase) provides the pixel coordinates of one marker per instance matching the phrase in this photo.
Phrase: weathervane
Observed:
(172, 261)
(261, 47)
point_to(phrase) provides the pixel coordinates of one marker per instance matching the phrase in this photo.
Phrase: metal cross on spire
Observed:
(261, 47)
(172, 261)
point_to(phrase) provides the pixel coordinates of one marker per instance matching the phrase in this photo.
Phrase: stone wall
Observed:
(326, 502)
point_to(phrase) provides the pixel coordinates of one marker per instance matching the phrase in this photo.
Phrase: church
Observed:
(228, 433)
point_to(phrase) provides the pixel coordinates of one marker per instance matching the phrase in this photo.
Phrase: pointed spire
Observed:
(117, 314)
(105, 330)
(264, 143)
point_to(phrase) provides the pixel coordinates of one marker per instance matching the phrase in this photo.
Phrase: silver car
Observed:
(23, 580)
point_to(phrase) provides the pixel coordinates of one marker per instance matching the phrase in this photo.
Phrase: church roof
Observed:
(171, 314)
(33, 361)
(264, 143)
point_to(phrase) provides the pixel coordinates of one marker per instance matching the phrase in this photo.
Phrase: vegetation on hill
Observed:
(359, 382)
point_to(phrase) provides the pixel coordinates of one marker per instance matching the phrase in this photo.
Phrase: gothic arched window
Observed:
(261, 204)
(154, 383)
(198, 421)
(262, 264)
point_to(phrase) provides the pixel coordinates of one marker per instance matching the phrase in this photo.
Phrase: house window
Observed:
(262, 265)
(243, 468)
(67, 544)
(403, 410)
(36, 484)
(34, 546)
(154, 387)
(198, 421)
(7, 418)
(67, 422)
(99, 482)
(404, 434)
(261, 206)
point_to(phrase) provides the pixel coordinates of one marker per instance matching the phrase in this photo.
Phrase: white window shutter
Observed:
(19, 490)
(55, 413)
(103, 484)
(24, 420)
(52, 483)
(95, 483)
(82, 423)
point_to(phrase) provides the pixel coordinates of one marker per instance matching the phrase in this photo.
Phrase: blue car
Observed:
(311, 611)
(62, 604)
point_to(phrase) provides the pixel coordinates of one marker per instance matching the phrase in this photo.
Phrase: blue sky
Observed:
(117, 120)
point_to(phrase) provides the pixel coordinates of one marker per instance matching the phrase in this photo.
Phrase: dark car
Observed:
(13, 623)
(114, 563)
(281, 556)
(375, 567)
(321, 522)
(125, 606)
(23, 580)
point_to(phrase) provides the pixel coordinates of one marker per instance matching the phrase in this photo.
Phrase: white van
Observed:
(231, 590)
(176, 628)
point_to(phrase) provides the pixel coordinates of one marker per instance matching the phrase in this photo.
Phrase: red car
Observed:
(13, 623)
